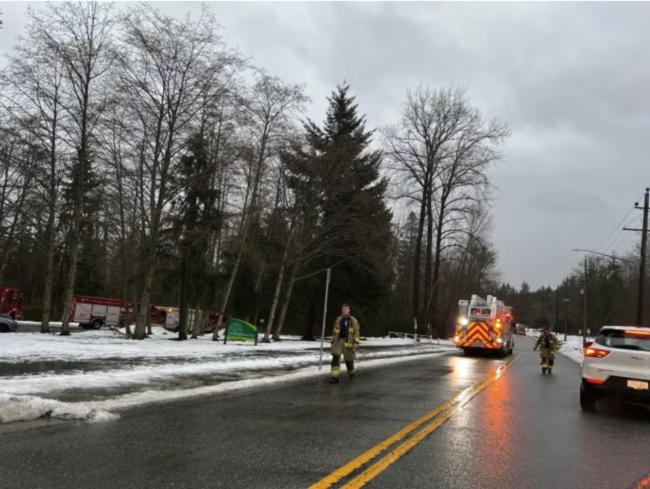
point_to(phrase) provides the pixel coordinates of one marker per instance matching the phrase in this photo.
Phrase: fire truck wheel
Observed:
(97, 324)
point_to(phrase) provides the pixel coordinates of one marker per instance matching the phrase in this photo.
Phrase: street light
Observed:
(613, 257)
(327, 290)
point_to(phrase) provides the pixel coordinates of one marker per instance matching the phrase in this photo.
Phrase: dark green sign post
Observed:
(238, 330)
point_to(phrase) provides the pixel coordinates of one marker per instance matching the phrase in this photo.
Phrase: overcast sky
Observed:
(571, 80)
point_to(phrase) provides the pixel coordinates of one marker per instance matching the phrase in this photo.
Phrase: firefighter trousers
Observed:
(348, 356)
(547, 356)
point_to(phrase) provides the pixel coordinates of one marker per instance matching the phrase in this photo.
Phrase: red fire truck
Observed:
(11, 303)
(95, 312)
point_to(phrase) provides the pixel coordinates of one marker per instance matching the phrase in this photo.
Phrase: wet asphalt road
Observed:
(523, 431)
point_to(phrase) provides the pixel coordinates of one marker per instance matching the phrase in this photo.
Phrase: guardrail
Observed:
(414, 337)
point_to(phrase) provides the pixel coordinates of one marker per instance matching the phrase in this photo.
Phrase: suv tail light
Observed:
(594, 352)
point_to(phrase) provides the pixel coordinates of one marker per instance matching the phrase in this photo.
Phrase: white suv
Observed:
(616, 365)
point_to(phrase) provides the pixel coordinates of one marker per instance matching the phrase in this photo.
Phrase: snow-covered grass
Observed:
(90, 374)
(102, 344)
(572, 348)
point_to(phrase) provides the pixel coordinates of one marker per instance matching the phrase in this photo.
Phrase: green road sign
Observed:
(238, 330)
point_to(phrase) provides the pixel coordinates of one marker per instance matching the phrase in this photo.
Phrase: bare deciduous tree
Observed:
(440, 148)
(32, 95)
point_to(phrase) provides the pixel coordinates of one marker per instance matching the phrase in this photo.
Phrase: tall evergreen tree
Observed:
(341, 173)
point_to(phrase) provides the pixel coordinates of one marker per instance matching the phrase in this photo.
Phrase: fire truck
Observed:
(484, 325)
(95, 312)
(11, 303)
(169, 318)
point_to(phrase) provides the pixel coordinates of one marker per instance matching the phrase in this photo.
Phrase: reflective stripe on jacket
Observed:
(553, 342)
(354, 332)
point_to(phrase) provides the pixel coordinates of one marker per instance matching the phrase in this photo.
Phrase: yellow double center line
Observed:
(439, 415)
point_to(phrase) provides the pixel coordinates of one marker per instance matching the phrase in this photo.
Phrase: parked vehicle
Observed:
(11, 303)
(8, 325)
(95, 312)
(169, 318)
(520, 329)
(616, 366)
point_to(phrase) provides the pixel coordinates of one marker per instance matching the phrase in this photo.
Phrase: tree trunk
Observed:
(144, 312)
(127, 311)
(51, 251)
(442, 327)
(49, 275)
(198, 324)
(425, 318)
(75, 238)
(285, 305)
(257, 291)
(308, 333)
(276, 294)
(418, 259)
(69, 282)
(182, 323)
(246, 223)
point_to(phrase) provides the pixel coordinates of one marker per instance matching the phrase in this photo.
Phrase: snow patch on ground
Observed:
(26, 408)
(90, 374)
(572, 348)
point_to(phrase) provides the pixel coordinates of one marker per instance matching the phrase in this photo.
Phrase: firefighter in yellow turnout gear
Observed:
(345, 340)
(548, 344)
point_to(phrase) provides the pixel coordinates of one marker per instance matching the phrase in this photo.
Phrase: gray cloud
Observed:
(570, 79)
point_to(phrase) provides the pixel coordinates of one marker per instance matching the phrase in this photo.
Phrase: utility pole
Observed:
(322, 336)
(584, 304)
(644, 246)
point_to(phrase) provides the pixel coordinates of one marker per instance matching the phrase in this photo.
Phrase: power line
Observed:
(619, 237)
(618, 227)
(615, 231)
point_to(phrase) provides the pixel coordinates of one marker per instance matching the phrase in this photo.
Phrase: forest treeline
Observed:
(143, 158)
(611, 288)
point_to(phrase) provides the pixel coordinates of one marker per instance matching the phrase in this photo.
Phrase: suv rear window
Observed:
(627, 339)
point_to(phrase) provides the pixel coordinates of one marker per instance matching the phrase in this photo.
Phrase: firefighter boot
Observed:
(335, 372)
(349, 364)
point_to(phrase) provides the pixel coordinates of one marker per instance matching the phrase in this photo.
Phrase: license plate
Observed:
(637, 385)
(477, 344)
